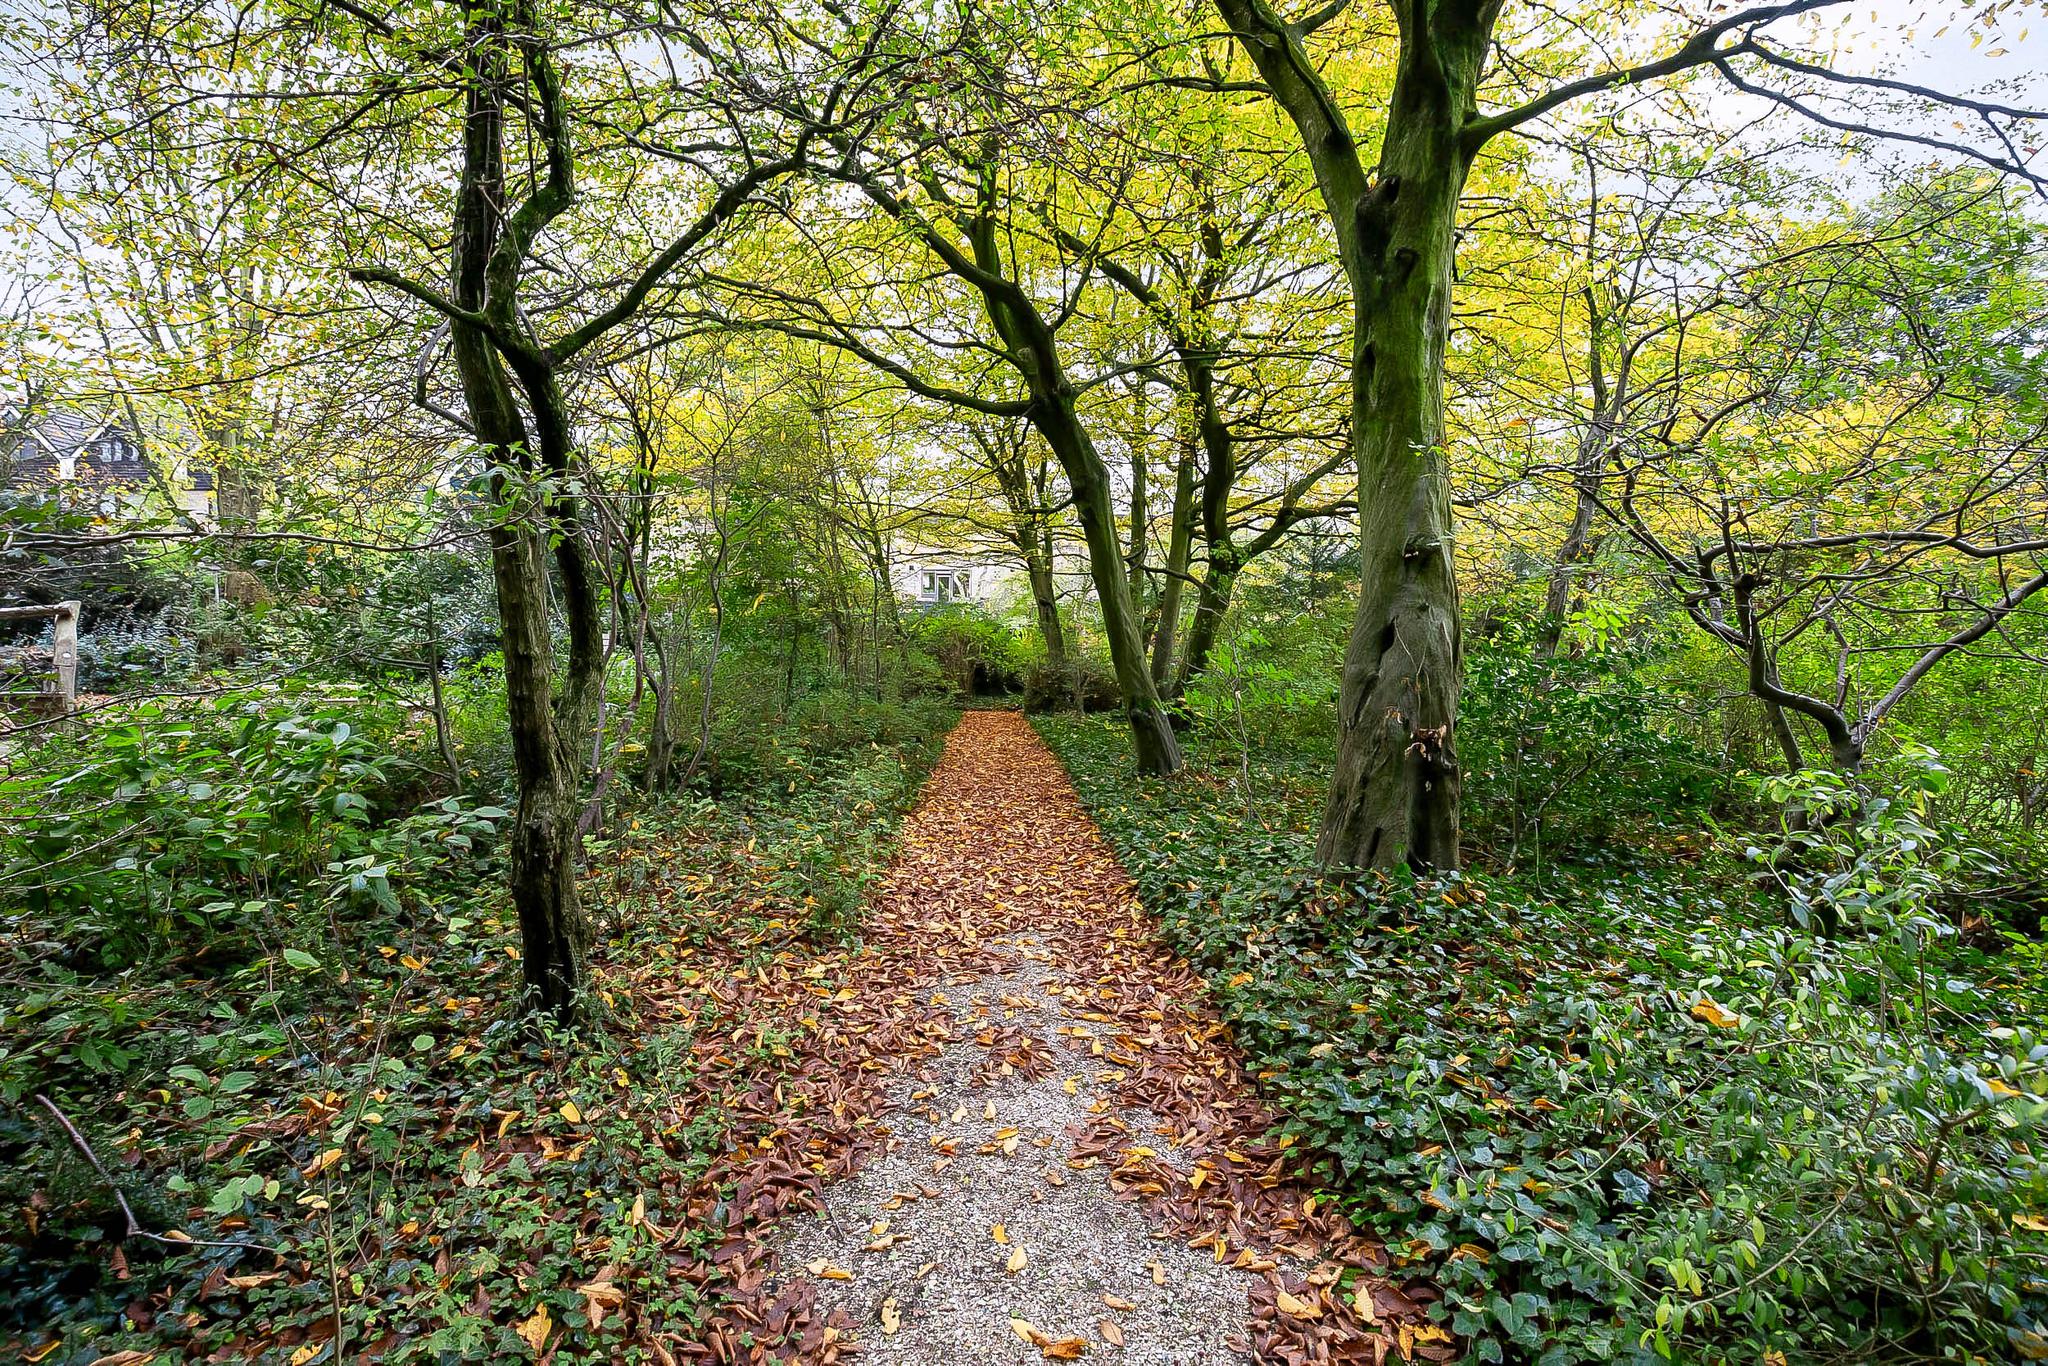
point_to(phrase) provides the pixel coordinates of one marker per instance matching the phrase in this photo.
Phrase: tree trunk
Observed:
(1560, 592)
(1045, 601)
(1158, 751)
(1395, 788)
(554, 933)
(1179, 550)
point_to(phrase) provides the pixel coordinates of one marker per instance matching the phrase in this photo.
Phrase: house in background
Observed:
(92, 460)
(932, 578)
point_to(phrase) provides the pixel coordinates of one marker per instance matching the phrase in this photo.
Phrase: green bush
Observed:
(1569, 756)
(176, 826)
(978, 654)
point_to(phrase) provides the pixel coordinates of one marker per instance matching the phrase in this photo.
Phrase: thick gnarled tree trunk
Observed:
(1394, 789)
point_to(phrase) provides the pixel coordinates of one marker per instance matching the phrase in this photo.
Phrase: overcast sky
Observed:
(1900, 37)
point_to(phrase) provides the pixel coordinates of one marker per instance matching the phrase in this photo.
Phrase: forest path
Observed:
(1067, 1161)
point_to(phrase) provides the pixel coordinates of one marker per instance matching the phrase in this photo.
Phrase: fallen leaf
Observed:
(1111, 1334)
(534, 1330)
(1016, 1262)
(1000, 1234)
(1362, 1301)
(1115, 1303)
(571, 1112)
(1158, 1274)
(320, 1163)
(824, 1270)
(1063, 1349)
(1026, 1332)
(892, 1317)
(1710, 1010)
(1299, 1308)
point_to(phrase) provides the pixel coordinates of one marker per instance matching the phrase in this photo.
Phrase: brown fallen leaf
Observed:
(824, 1270)
(1114, 1302)
(1158, 1274)
(1362, 1301)
(1111, 1333)
(1023, 1329)
(320, 1163)
(1063, 1349)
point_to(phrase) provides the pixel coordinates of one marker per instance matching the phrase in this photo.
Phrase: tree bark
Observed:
(1179, 551)
(1395, 785)
(1152, 738)
(554, 933)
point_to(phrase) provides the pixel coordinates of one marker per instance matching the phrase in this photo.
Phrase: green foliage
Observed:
(981, 655)
(171, 826)
(326, 1085)
(1624, 1117)
(1571, 755)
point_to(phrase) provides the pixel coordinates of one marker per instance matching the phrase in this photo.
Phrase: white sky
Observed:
(1898, 38)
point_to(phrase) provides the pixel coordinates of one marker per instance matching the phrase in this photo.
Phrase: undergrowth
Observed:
(332, 1120)
(1638, 1110)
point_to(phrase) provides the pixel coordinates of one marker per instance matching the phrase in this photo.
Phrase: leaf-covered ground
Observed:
(954, 1103)
(1063, 1155)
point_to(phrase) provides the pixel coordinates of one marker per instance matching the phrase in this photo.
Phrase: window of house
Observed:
(942, 585)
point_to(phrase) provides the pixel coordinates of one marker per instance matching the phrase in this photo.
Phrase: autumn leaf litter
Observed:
(1071, 1163)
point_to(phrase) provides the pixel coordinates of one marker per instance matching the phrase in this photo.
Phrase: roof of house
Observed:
(99, 447)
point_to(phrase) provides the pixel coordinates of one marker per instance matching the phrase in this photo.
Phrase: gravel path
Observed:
(972, 1230)
(1018, 1131)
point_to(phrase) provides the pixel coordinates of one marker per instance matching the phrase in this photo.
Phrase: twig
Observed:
(135, 1228)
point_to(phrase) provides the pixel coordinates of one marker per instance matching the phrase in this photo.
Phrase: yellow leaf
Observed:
(892, 1317)
(535, 1329)
(320, 1163)
(2036, 1222)
(1026, 1332)
(1016, 1262)
(1000, 1234)
(2000, 1087)
(1239, 980)
(1158, 1274)
(571, 1112)
(1299, 1308)
(1196, 1178)
(1709, 1010)
(824, 1270)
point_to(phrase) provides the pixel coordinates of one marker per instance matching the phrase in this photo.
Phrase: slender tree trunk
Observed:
(1566, 570)
(553, 931)
(1787, 738)
(1045, 602)
(1219, 479)
(1158, 751)
(1212, 604)
(1179, 551)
